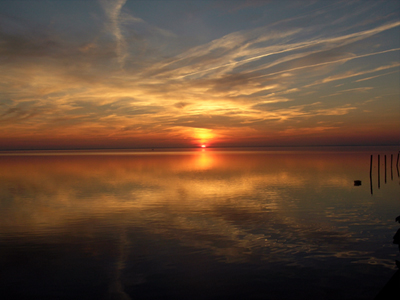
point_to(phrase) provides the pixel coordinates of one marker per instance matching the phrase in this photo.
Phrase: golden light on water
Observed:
(237, 208)
(206, 178)
(147, 145)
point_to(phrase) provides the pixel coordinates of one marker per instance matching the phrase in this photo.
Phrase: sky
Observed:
(166, 73)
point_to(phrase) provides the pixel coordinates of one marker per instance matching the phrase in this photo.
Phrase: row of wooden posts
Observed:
(379, 170)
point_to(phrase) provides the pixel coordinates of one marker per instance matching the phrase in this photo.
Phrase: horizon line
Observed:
(149, 148)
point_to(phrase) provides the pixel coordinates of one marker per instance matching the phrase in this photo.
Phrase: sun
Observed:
(202, 136)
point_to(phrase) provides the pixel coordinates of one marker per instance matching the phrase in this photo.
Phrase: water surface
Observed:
(193, 224)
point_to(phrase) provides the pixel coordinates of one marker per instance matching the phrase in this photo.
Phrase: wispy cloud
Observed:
(237, 49)
(351, 74)
(134, 78)
(112, 8)
(360, 89)
(372, 77)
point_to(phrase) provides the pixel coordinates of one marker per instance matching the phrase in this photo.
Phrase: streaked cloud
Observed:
(112, 9)
(132, 76)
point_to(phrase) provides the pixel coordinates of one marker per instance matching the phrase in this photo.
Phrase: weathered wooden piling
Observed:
(397, 164)
(391, 166)
(385, 170)
(370, 173)
(370, 184)
(385, 162)
(370, 165)
(379, 171)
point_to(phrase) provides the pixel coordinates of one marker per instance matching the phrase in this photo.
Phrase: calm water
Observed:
(211, 224)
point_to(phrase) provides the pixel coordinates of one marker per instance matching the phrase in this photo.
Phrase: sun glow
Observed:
(203, 136)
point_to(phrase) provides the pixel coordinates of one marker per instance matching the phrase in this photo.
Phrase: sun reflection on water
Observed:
(234, 206)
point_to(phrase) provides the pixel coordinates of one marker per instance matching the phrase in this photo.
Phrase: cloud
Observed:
(132, 77)
(331, 62)
(181, 104)
(313, 110)
(271, 104)
(360, 89)
(372, 77)
(240, 48)
(350, 74)
(121, 107)
(112, 8)
(27, 44)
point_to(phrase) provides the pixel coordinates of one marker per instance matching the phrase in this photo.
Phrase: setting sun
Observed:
(163, 142)
(277, 86)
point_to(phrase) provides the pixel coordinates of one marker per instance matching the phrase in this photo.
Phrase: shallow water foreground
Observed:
(211, 224)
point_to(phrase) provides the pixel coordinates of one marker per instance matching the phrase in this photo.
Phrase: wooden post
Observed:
(370, 165)
(370, 173)
(370, 183)
(385, 168)
(379, 171)
(397, 164)
(391, 166)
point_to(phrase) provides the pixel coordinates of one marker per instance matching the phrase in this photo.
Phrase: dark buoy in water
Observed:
(357, 182)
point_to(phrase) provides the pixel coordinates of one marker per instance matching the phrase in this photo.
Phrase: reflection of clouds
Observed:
(116, 289)
(139, 212)
(387, 263)
(231, 205)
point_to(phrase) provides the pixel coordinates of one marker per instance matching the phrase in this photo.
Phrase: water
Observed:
(193, 224)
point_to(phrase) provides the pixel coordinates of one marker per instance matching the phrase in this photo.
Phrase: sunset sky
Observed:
(136, 73)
